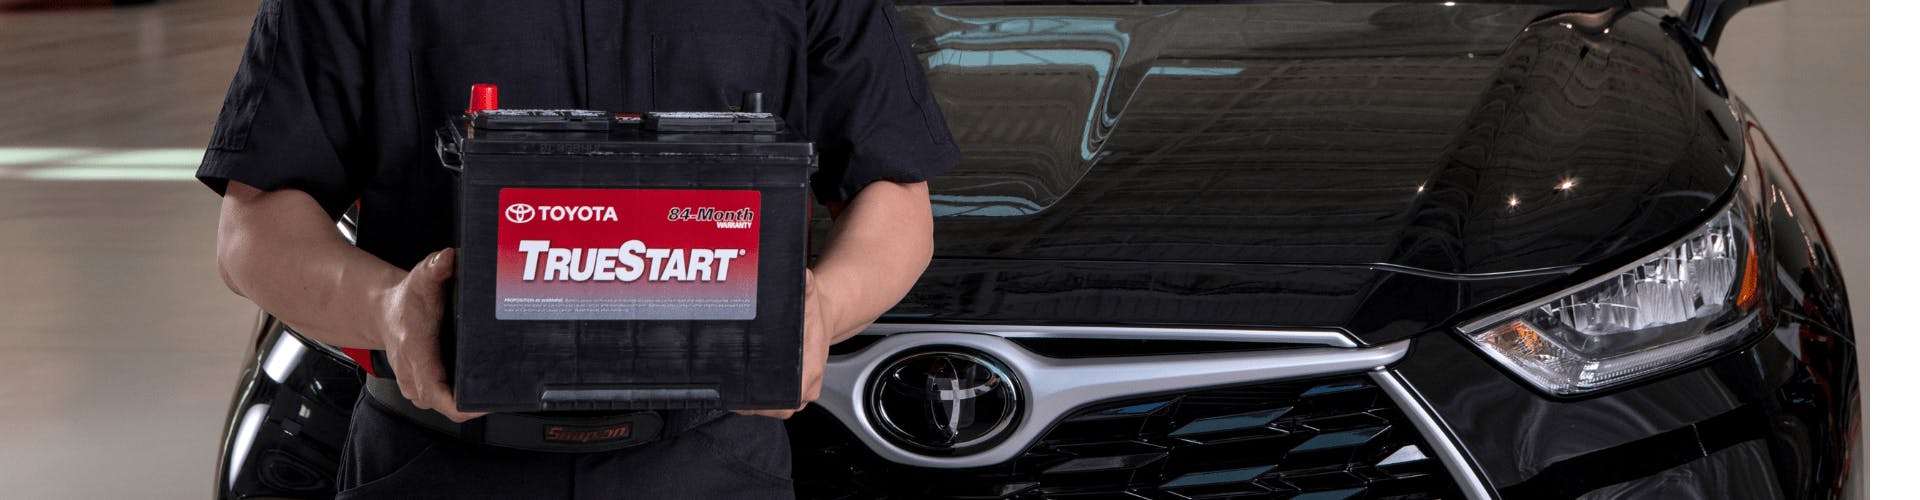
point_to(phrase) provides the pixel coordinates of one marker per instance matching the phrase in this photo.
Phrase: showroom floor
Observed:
(121, 346)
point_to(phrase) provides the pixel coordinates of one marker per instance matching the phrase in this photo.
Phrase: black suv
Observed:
(1309, 250)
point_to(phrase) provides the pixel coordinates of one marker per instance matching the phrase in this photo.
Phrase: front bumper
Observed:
(288, 419)
(1285, 414)
(1771, 421)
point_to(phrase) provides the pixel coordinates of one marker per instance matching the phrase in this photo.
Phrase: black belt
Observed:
(543, 432)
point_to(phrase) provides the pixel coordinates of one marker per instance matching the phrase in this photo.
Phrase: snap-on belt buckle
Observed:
(532, 432)
(572, 434)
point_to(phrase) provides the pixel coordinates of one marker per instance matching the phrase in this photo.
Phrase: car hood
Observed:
(1469, 139)
(1324, 152)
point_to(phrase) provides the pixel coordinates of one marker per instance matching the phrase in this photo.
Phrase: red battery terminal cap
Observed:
(483, 97)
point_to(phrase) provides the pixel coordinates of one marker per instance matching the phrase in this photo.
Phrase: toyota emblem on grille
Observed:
(944, 401)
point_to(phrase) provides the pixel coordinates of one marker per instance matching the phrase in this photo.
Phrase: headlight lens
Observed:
(1691, 300)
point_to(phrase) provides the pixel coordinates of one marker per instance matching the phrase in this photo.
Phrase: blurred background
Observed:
(120, 347)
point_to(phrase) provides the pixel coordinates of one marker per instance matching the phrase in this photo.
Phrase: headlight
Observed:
(1691, 300)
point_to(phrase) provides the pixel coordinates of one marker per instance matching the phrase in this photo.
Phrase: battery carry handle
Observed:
(445, 147)
(750, 117)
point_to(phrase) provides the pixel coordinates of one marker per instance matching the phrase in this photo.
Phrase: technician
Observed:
(335, 102)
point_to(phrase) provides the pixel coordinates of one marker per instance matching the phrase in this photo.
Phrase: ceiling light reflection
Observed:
(141, 157)
(27, 156)
(65, 173)
(99, 164)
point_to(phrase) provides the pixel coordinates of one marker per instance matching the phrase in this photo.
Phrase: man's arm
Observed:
(880, 243)
(280, 250)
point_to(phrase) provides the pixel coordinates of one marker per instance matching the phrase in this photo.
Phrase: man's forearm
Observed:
(280, 250)
(880, 243)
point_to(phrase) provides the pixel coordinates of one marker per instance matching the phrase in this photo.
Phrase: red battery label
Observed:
(627, 254)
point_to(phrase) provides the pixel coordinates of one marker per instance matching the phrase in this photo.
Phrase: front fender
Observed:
(288, 418)
(1809, 280)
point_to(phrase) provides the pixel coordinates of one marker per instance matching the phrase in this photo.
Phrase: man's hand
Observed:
(280, 249)
(813, 357)
(409, 330)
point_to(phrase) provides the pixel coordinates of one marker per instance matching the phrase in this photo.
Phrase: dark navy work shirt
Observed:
(340, 98)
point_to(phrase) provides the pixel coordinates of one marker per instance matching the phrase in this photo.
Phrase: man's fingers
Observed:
(407, 377)
(430, 393)
(410, 371)
(810, 393)
(779, 414)
(410, 386)
(407, 389)
(440, 265)
(430, 379)
(443, 403)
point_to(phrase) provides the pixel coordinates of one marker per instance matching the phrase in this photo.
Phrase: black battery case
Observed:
(564, 365)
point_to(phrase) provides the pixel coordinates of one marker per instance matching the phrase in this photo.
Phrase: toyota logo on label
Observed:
(519, 213)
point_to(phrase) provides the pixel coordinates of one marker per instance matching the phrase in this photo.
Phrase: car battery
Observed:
(626, 262)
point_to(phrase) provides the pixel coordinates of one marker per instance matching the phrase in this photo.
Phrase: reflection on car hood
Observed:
(1464, 139)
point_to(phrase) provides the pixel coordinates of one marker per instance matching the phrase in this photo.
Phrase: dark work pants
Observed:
(734, 456)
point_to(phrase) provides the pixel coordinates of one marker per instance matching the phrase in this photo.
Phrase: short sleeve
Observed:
(869, 111)
(291, 116)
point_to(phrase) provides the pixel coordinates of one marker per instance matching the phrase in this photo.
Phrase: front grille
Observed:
(1113, 348)
(1327, 438)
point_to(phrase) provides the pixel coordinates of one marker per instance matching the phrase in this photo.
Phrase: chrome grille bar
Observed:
(1060, 386)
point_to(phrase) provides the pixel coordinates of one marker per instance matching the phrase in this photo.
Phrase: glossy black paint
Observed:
(1809, 280)
(1793, 395)
(288, 419)
(1378, 305)
(1417, 135)
(1385, 169)
(1775, 420)
(1342, 159)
